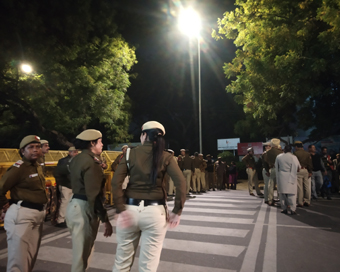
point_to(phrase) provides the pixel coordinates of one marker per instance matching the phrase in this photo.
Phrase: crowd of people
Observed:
(145, 178)
(299, 176)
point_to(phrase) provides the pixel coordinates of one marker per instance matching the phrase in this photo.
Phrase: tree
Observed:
(286, 68)
(80, 77)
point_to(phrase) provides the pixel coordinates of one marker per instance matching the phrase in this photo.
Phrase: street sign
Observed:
(227, 144)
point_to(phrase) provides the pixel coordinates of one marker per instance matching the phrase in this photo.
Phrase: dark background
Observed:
(163, 89)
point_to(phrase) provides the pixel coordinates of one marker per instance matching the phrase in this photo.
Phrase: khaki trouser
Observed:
(288, 200)
(271, 184)
(197, 180)
(252, 179)
(24, 229)
(266, 182)
(83, 224)
(172, 188)
(204, 187)
(187, 175)
(65, 196)
(303, 187)
(211, 184)
(148, 229)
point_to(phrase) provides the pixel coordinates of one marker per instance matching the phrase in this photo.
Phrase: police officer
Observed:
(210, 173)
(265, 177)
(85, 209)
(196, 180)
(249, 161)
(142, 208)
(62, 177)
(188, 169)
(303, 181)
(24, 212)
(269, 164)
(44, 150)
(220, 173)
(202, 168)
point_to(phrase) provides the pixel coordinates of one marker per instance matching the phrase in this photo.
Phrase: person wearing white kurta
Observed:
(286, 166)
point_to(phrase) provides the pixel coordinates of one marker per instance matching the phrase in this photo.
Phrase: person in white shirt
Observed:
(286, 166)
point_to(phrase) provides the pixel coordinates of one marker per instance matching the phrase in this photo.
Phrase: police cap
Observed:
(72, 148)
(43, 142)
(153, 125)
(89, 135)
(275, 142)
(124, 146)
(297, 142)
(249, 149)
(182, 150)
(29, 139)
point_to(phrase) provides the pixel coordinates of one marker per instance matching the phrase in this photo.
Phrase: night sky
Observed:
(163, 88)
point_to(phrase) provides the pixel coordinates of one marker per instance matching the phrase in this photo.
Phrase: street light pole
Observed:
(190, 24)
(199, 94)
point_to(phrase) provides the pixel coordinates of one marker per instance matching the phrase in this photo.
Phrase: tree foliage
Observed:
(80, 70)
(287, 63)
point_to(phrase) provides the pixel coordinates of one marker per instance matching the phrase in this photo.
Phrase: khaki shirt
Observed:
(197, 162)
(249, 160)
(187, 163)
(116, 162)
(304, 159)
(139, 186)
(25, 181)
(269, 159)
(203, 165)
(87, 178)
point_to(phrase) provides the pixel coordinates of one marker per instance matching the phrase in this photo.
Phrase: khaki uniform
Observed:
(265, 177)
(303, 181)
(150, 225)
(116, 162)
(249, 161)
(196, 180)
(62, 177)
(269, 164)
(24, 218)
(172, 188)
(202, 168)
(187, 166)
(86, 207)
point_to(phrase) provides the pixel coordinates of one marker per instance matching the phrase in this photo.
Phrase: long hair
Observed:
(158, 146)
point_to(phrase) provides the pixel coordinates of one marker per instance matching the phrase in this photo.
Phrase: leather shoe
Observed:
(61, 225)
(293, 213)
(299, 205)
(284, 211)
(251, 194)
(306, 204)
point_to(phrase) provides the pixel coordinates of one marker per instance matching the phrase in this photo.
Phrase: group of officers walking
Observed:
(141, 206)
(299, 176)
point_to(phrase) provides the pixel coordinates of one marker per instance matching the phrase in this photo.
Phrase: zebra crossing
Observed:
(215, 234)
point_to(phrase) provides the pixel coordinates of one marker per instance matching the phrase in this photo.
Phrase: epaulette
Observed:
(96, 159)
(18, 163)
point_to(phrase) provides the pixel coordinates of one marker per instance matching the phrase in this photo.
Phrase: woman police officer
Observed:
(25, 211)
(142, 213)
(85, 209)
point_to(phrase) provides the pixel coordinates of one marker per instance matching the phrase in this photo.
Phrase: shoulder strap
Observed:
(128, 158)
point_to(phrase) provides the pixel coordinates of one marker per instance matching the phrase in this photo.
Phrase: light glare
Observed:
(26, 68)
(189, 22)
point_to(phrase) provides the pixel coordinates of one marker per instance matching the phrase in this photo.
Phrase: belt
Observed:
(147, 202)
(30, 205)
(79, 196)
(303, 168)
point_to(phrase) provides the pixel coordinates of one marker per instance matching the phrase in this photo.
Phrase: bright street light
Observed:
(189, 22)
(26, 68)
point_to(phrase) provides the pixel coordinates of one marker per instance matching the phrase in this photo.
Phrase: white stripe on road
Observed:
(249, 261)
(188, 246)
(210, 231)
(214, 219)
(224, 205)
(269, 261)
(105, 261)
(199, 210)
(45, 239)
(211, 200)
